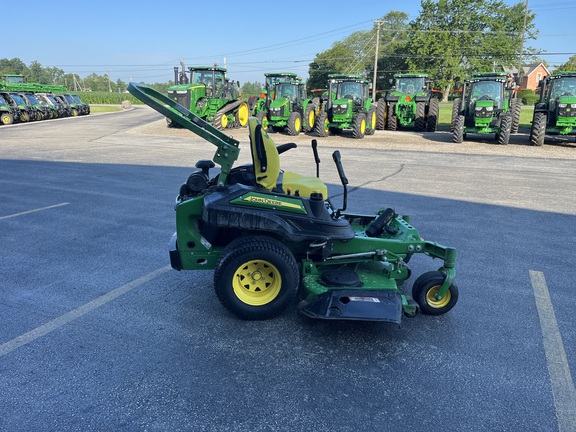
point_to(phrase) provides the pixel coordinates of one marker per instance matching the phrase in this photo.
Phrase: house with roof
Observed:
(530, 75)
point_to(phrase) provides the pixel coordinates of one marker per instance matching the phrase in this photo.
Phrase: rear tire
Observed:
(256, 277)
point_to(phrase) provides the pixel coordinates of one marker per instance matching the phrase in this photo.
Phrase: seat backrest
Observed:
(265, 156)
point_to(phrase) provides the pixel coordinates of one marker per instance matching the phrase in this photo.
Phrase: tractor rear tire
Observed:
(455, 112)
(381, 114)
(433, 112)
(294, 125)
(503, 136)
(425, 289)
(538, 131)
(458, 131)
(371, 121)
(321, 125)
(392, 120)
(256, 277)
(515, 109)
(420, 119)
(359, 125)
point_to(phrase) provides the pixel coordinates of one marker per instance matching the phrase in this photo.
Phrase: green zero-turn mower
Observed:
(269, 234)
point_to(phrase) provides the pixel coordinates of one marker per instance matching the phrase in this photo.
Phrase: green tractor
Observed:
(555, 112)
(207, 92)
(410, 102)
(289, 108)
(346, 105)
(262, 103)
(270, 234)
(484, 108)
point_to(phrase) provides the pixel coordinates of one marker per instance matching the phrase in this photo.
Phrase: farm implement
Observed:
(270, 235)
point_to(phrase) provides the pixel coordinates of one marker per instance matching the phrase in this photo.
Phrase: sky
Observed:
(143, 40)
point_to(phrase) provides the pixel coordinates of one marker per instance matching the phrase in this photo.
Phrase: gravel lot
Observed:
(436, 142)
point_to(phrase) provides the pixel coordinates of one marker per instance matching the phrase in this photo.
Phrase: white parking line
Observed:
(34, 211)
(62, 320)
(561, 381)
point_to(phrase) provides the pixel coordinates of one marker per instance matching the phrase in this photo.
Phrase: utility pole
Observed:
(378, 23)
(522, 43)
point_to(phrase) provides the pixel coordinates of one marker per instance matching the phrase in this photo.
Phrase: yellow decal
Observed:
(271, 202)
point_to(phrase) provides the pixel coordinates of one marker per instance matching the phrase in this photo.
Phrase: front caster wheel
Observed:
(256, 277)
(425, 289)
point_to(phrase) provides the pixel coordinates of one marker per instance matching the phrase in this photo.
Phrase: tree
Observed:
(570, 65)
(453, 38)
(355, 54)
(251, 89)
(14, 66)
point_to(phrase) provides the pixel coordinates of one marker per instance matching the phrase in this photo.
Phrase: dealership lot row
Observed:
(99, 334)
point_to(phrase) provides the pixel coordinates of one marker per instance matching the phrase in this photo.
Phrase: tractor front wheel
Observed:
(392, 120)
(458, 132)
(503, 136)
(420, 120)
(256, 277)
(515, 109)
(321, 126)
(359, 126)
(294, 125)
(433, 112)
(381, 114)
(538, 131)
(371, 121)
(310, 117)
(425, 289)
(455, 112)
(263, 119)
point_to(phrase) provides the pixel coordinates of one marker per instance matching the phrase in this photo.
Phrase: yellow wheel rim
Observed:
(431, 297)
(363, 126)
(224, 121)
(311, 118)
(243, 114)
(297, 124)
(256, 282)
(373, 121)
(265, 122)
(326, 123)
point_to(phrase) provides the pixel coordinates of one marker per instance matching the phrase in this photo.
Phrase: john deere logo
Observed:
(271, 202)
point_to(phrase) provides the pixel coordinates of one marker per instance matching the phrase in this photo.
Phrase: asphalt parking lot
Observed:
(99, 334)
